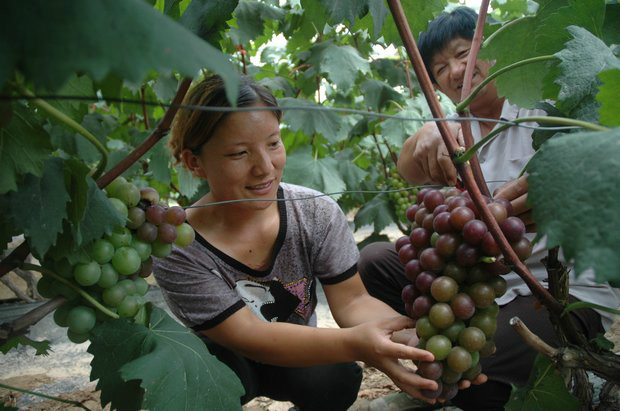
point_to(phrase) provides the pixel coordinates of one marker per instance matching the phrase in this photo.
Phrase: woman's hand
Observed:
(516, 192)
(424, 157)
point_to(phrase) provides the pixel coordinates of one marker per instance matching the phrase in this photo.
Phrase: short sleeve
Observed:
(335, 257)
(195, 290)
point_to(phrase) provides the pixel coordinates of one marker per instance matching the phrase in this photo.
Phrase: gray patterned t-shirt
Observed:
(203, 286)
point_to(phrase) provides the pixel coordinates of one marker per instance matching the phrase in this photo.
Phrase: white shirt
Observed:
(502, 160)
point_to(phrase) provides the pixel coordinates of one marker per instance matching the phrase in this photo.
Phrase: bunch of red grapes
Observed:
(113, 268)
(455, 269)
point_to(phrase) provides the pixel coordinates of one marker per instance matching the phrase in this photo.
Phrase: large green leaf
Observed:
(546, 33)
(545, 390)
(326, 123)
(75, 86)
(251, 16)
(207, 18)
(378, 94)
(377, 212)
(39, 206)
(611, 28)
(188, 184)
(583, 58)
(419, 13)
(321, 174)
(159, 162)
(160, 367)
(48, 41)
(341, 64)
(24, 147)
(609, 112)
(350, 10)
(574, 186)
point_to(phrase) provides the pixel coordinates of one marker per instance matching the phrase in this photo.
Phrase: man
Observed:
(424, 159)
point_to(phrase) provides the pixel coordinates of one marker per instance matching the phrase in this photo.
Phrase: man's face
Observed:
(448, 68)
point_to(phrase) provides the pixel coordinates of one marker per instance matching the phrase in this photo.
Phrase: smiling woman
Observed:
(247, 284)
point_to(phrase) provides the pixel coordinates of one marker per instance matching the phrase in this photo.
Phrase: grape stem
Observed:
(49, 397)
(67, 121)
(463, 112)
(467, 101)
(471, 151)
(465, 170)
(75, 288)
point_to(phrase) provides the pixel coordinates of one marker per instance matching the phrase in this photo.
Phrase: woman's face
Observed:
(244, 158)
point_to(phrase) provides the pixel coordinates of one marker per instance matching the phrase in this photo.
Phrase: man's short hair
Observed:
(459, 23)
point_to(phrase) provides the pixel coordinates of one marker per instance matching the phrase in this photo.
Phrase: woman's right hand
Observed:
(424, 157)
(374, 346)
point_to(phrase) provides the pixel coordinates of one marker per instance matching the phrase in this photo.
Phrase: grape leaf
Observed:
(340, 10)
(75, 86)
(100, 217)
(573, 189)
(162, 367)
(378, 94)
(76, 173)
(39, 206)
(545, 390)
(188, 184)
(583, 58)
(419, 13)
(251, 16)
(321, 174)
(159, 162)
(611, 28)
(76, 36)
(609, 112)
(391, 70)
(207, 18)
(24, 147)
(340, 63)
(377, 212)
(546, 34)
(166, 87)
(5, 407)
(41, 347)
(310, 122)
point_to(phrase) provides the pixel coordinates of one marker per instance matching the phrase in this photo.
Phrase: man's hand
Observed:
(424, 157)
(516, 192)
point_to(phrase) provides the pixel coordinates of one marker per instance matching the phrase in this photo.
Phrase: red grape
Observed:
(175, 215)
(474, 231)
(441, 223)
(433, 199)
(460, 216)
(431, 260)
(420, 238)
(513, 228)
(401, 242)
(155, 214)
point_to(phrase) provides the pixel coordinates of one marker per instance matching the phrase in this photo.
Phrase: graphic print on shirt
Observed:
(268, 300)
(304, 290)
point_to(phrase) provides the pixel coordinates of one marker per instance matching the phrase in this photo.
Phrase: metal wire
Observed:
(396, 190)
(279, 108)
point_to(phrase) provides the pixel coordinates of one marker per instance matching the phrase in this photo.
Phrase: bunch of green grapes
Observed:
(452, 261)
(400, 199)
(114, 273)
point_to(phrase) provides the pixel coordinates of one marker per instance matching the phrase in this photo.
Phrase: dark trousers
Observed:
(331, 387)
(384, 278)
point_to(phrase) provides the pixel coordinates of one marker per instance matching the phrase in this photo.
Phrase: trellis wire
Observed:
(341, 110)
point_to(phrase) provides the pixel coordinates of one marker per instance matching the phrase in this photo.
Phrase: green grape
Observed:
(120, 207)
(472, 339)
(129, 194)
(129, 306)
(440, 346)
(87, 274)
(441, 315)
(161, 250)
(108, 277)
(143, 249)
(453, 331)
(66, 291)
(128, 285)
(424, 328)
(77, 338)
(120, 237)
(61, 314)
(459, 359)
(102, 251)
(115, 185)
(450, 376)
(46, 287)
(141, 285)
(81, 319)
(126, 260)
(475, 358)
(185, 235)
(487, 323)
(114, 295)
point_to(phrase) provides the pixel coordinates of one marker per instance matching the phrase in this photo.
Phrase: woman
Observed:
(247, 283)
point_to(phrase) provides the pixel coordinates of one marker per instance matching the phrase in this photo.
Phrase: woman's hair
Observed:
(193, 128)
(459, 23)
